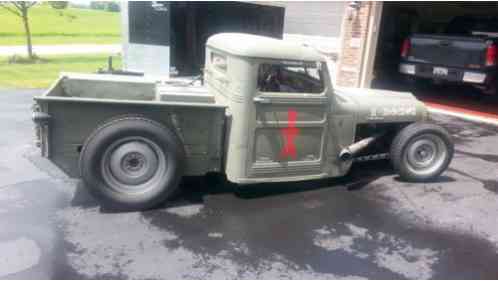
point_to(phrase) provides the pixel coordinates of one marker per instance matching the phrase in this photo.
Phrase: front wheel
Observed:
(420, 152)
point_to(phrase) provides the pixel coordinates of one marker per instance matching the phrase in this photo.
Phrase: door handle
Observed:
(261, 100)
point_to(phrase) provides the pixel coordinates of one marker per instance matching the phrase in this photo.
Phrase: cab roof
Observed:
(248, 45)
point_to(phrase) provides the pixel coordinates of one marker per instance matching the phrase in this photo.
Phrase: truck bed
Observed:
(78, 103)
(126, 89)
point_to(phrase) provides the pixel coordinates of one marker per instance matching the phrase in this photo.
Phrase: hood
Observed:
(382, 106)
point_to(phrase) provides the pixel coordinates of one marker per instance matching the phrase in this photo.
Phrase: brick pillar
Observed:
(353, 38)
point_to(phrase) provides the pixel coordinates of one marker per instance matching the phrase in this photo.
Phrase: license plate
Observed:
(407, 68)
(474, 77)
(440, 71)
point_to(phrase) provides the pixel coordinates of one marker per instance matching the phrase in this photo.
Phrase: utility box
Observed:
(165, 39)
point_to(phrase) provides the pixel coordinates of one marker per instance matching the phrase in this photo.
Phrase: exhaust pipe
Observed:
(349, 152)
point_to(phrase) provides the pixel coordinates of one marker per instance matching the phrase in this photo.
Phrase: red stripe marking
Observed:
(289, 133)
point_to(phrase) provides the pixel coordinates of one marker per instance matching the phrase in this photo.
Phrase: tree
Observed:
(21, 9)
(113, 6)
(98, 5)
(110, 6)
(59, 5)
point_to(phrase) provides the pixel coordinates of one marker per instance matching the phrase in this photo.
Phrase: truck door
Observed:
(290, 109)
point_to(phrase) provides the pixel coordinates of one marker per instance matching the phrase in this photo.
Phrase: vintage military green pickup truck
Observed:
(267, 112)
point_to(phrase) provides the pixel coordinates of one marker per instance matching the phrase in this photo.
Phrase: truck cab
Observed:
(278, 101)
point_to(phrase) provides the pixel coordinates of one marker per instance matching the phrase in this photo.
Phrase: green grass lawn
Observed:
(72, 25)
(42, 74)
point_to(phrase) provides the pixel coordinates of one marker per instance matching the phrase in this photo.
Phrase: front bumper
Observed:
(451, 74)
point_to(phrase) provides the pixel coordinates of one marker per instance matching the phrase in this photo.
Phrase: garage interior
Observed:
(398, 21)
(192, 23)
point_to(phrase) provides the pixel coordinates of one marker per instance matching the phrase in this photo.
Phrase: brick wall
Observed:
(353, 38)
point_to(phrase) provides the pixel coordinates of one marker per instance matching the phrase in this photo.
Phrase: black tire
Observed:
(132, 163)
(421, 152)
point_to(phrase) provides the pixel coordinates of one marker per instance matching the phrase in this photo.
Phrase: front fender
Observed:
(380, 106)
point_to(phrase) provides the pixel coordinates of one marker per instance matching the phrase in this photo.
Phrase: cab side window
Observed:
(299, 77)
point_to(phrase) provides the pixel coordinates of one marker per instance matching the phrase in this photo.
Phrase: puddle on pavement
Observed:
(287, 219)
(333, 227)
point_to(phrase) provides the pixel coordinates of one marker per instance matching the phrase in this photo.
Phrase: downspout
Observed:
(364, 45)
(370, 49)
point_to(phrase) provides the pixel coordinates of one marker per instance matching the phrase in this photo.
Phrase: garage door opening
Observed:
(445, 53)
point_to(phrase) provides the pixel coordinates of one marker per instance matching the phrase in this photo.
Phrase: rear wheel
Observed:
(132, 163)
(421, 152)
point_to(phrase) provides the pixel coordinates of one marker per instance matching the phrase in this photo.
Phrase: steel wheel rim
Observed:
(425, 154)
(133, 165)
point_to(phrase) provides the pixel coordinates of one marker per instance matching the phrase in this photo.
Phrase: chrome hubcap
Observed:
(133, 164)
(425, 154)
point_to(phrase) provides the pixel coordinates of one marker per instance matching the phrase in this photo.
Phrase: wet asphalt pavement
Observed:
(365, 225)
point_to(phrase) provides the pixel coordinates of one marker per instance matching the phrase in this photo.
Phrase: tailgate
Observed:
(454, 51)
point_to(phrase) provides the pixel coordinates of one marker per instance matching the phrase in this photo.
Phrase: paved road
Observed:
(365, 225)
(61, 49)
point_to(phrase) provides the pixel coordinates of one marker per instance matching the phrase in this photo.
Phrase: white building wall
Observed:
(315, 23)
(152, 60)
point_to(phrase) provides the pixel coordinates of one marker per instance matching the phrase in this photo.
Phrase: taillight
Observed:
(491, 55)
(405, 48)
